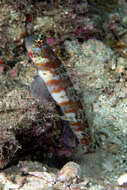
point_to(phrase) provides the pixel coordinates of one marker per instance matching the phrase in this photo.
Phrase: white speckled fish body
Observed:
(59, 84)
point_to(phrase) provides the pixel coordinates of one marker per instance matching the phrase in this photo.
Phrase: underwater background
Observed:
(38, 149)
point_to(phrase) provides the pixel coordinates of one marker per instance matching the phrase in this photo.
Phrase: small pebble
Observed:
(14, 72)
(122, 179)
(71, 170)
(3, 177)
(2, 68)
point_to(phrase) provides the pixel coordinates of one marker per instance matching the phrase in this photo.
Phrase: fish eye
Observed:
(38, 42)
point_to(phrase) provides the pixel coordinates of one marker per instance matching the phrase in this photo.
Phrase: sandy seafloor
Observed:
(90, 38)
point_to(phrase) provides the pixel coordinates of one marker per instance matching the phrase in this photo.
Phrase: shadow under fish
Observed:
(40, 91)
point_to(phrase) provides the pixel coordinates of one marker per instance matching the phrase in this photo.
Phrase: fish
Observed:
(60, 86)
